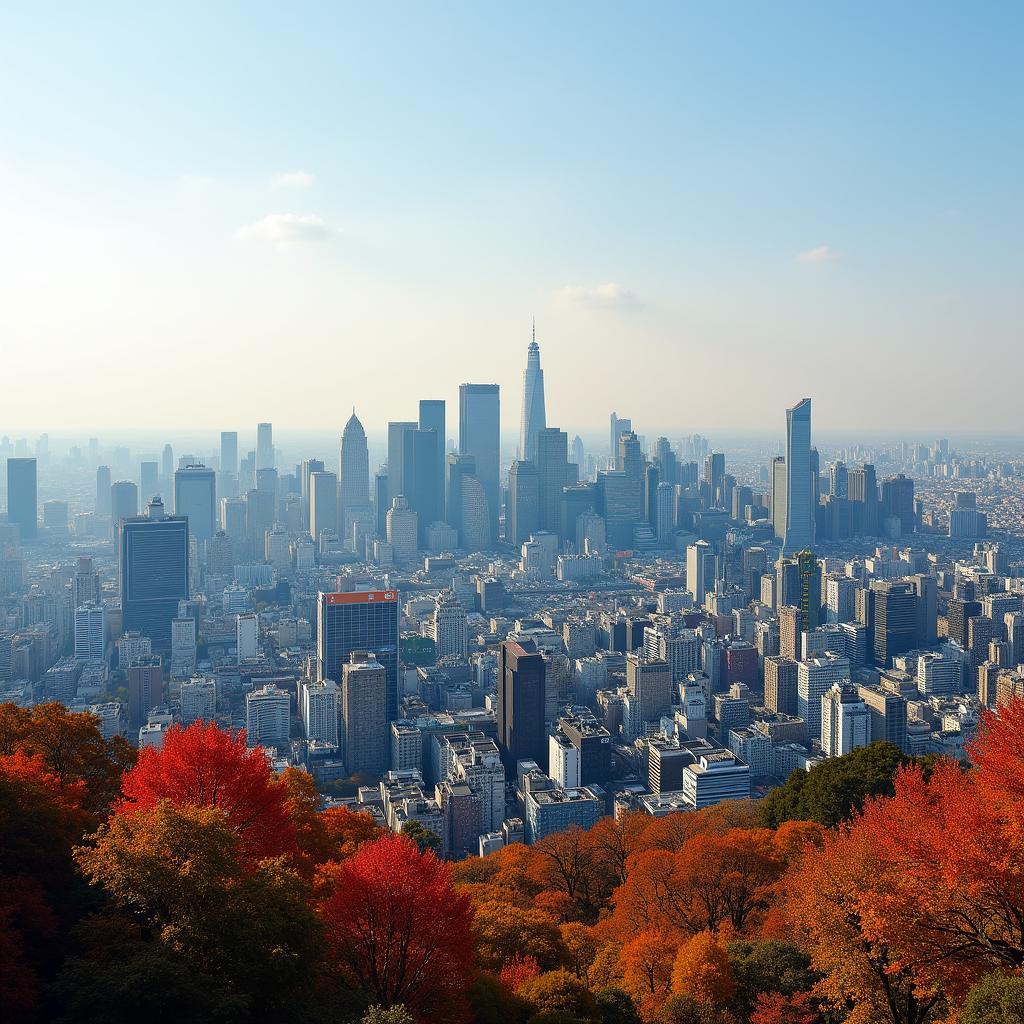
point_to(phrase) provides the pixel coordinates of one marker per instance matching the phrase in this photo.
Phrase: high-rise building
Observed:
(456, 468)
(364, 714)
(898, 502)
(420, 461)
(103, 483)
(22, 502)
(353, 475)
(533, 419)
(153, 572)
(124, 504)
(551, 447)
(149, 480)
(649, 681)
(448, 627)
(780, 685)
(323, 503)
(619, 426)
(479, 430)
(267, 717)
(264, 446)
(523, 513)
(359, 621)
(845, 721)
(229, 452)
(888, 714)
(403, 529)
(198, 697)
(195, 498)
(800, 485)
(145, 687)
(521, 704)
(894, 620)
(432, 417)
(247, 637)
(475, 532)
(318, 709)
(396, 457)
(815, 678)
(91, 633)
(862, 491)
(701, 570)
(810, 590)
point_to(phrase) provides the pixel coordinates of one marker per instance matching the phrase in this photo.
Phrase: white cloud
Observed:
(293, 179)
(602, 296)
(285, 229)
(820, 254)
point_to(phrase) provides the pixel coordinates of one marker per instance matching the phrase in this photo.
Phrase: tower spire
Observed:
(534, 332)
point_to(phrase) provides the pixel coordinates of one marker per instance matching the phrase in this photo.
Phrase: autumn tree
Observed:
(560, 992)
(830, 902)
(399, 930)
(997, 999)
(581, 944)
(181, 873)
(776, 1008)
(702, 971)
(646, 966)
(569, 862)
(503, 930)
(615, 840)
(767, 967)
(204, 766)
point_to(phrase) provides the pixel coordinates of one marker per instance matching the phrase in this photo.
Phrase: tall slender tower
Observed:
(533, 403)
(353, 475)
(799, 531)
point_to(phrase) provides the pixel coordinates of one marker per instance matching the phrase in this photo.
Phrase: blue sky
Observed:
(258, 211)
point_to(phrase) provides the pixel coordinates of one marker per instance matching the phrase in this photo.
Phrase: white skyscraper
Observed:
(267, 717)
(533, 421)
(90, 632)
(814, 679)
(319, 710)
(402, 527)
(247, 634)
(448, 627)
(353, 475)
(845, 721)
(800, 488)
(264, 446)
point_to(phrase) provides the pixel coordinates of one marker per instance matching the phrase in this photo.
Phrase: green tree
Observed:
(615, 1007)
(831, 792)
(996, 999)
(767, 966)
(423, 837)
(560, 992)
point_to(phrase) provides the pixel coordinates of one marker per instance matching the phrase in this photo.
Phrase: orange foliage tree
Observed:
(646, 965)
(702, 972)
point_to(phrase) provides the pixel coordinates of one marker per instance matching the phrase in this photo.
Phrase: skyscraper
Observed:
(432, 417)
(619, 426)
(359, 621)
(195, 497)
(799, 484)
(103, 483)
(521, 693)
(323, 504)
(229, 451)
(552, 460)
(419, 469)
(353, 475)
(523, 513)
(149, 480)
(479, 433)
(533, 419)
(396, 457)
(448, 626)
(364, 713)
(22, 505)
(153, 572)
(124, 503)
(264, 446)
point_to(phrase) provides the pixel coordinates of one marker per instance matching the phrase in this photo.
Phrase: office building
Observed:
(323, 504)
(523, 512)
(800, 484)
(432, 417)
(893, 619)
(888, 715)
(650, 686)
(22, 501)
(195, 498)
(228, 453)
(103, 485)
(353, 475)
(403, 529)
(814, 679)
(359, 621)
(780, 685)
(198, 697)
(91, 633)
(364, 714)
(701, 571)
(145, 688)
(268, 717)
(318, 709)
(521, 704)
(448, 627)
(153, 572)
(479, 428)
(247, 636)
(845, 721)
(264, 446)
(124, 504)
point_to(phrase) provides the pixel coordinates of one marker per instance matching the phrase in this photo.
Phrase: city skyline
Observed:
(698, 211)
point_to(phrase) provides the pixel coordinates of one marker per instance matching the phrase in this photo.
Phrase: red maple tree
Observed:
(204, 766)
(399, 930)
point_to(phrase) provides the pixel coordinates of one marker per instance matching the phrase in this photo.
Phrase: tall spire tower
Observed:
(534, 420)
